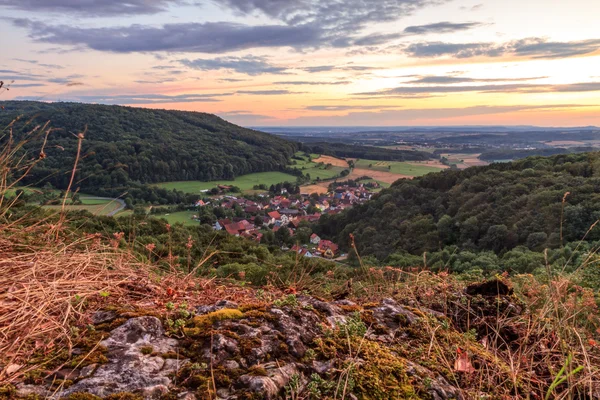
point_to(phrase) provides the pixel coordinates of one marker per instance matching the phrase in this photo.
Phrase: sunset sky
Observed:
(313, 62)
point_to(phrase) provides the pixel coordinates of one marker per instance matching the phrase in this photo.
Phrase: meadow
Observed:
(183, 217)
(96, 207)
(396, 167)
(317, 167)
(244, 182)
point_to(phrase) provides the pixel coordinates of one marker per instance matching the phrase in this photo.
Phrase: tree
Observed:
(282, 236)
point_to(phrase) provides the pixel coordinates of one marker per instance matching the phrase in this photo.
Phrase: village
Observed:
(285, 218)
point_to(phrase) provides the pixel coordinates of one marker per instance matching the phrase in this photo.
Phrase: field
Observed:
(320, 171)
(463, 161)
(184, 217)
(244, 182)
(398, 168)
(101, 207)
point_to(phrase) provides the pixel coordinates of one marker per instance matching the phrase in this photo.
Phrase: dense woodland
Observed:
(494, 208)
(342, 150)
(127, 147)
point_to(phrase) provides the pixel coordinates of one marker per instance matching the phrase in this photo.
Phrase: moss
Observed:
(248, 344)
(257, 370)
(253, 307)
(7, 392)
(124, 396)
(353, 308)
(202, 322)
(82, 396)
(147, 350)
(62, 383)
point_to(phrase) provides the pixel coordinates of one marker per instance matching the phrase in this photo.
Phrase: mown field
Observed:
(99, 207)
(184, 217)
(396, 167)
(317, 167)
(244, 182)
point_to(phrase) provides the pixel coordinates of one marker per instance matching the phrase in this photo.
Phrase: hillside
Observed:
(124, 145)
(497, 208)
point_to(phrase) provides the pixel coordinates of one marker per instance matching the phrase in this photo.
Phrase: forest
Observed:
(125, 147)
(535, 203)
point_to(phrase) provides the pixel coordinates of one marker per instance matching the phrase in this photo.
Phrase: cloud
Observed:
(419, 115)
(25, 85)
(447, 80)
(347, 107)
(36, 62)
(440, 27)
(336, 15)
(92, 8)
(246, 118)
(300, 24)
(319, 68)
(500, 88)
(267, 92)
(209, 37)
(536, 48)
(249, 65)
(139, 98)
(315, 83)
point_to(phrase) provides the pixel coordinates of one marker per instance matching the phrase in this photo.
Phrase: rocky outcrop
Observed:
(134, 362)
(298, 346)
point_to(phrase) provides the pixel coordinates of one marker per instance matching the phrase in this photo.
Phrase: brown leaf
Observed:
(12, 368)
(462, 363)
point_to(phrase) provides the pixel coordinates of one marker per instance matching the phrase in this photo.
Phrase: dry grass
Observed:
(48, 293)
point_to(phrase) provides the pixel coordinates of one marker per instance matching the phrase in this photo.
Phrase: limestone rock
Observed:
(129, 370)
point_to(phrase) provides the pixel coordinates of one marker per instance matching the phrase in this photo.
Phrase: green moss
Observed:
(202, 322)
(147, 350)
(257, 370)
(82, 396)
(7, 392)
(124, 396)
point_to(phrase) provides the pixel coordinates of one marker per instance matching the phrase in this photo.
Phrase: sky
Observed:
(313, 62)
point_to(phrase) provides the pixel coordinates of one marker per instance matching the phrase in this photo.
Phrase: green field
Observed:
(101, 208)
(396, 167)
(244, 182)
(184, 217)
(309, 167)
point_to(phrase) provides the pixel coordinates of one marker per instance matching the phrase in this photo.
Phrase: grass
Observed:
(315, 170)
(396, 167)
(100, 208)
(184, 217)
(244, 182)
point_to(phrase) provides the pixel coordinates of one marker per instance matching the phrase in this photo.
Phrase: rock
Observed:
(322, 367)
(270, 386)
(86, 372)
(230, 364)
(223, 304)
(101, 317)
(24, 390)
(392, 315)
(129, 370)
(189, 396)
(438, 387)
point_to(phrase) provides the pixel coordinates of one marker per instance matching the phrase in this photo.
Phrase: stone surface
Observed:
(129, 370)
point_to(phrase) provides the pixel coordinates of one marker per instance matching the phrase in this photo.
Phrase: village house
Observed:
(303, 251)
(315, 239)
(328, 249)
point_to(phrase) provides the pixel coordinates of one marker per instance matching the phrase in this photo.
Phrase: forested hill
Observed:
(125, 144)
(497, 207)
